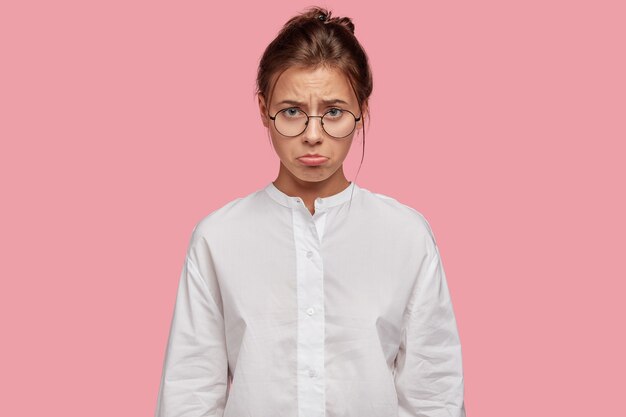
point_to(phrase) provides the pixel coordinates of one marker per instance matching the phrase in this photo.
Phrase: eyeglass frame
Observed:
(306, 124)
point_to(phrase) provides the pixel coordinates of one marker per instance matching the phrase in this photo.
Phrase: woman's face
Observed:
(314, 91)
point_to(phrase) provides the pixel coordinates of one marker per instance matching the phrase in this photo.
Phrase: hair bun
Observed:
(320, 15)
(346, 22)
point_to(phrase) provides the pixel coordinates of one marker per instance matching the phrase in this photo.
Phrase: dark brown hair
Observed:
(313, 38)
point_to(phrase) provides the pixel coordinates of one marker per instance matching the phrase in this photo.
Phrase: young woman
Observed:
(313, 297)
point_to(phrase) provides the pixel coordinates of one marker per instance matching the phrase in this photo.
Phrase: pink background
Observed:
(122, 123)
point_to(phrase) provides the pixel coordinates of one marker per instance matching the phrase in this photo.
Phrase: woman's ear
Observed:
(263, 110)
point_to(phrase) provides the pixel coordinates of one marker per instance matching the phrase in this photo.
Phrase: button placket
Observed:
(310, 299)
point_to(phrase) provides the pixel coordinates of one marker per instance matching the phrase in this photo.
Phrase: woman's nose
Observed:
(314, 130)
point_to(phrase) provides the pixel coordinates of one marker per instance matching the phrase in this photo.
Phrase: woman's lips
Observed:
(312, 160)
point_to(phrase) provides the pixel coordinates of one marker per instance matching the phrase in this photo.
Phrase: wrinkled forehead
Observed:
(305, 84)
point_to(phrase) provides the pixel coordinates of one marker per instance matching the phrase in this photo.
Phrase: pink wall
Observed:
(122, 123)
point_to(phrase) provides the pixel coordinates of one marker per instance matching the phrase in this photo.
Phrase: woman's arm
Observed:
(195, 369)
(429, 370)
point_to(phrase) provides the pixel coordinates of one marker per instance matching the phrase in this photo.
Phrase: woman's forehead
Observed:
(324, 84)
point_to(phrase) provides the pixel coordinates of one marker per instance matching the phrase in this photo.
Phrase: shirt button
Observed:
(312, 373)
(309, 254)
(310, 311)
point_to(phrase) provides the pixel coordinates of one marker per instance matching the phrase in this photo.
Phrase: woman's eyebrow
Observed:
(298, 103)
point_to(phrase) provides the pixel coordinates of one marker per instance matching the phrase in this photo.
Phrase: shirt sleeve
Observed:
(194, 379)
(429, 370)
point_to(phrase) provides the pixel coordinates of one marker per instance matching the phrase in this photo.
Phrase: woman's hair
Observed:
(312, 39)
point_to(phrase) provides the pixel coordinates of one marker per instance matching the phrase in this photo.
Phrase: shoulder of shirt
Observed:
(399, 211)
(227, 216)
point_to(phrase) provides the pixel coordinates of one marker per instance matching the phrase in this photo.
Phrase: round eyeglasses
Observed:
(292, 121)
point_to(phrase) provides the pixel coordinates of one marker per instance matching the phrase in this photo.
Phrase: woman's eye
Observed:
(292, 112)
(334, 112)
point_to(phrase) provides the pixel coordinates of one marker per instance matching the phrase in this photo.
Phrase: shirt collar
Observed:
(320, 202)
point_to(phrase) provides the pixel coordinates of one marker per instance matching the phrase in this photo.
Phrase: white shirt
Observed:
(343, 313)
